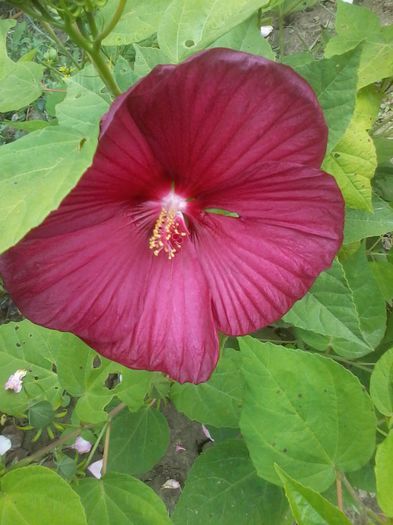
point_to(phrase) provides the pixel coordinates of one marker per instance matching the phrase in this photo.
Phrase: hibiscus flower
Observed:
(204, 212)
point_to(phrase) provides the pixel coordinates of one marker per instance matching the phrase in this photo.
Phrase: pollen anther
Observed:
(168, 233)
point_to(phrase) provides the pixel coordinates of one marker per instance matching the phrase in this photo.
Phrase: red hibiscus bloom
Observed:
(137, 261)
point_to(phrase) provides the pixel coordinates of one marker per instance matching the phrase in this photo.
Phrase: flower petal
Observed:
(171, 327)
(104, 284)
(258, 265)
(221, 111)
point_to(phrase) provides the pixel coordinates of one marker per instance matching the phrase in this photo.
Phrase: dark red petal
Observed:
(221, 111)
(104, 284)
(289, 229)
(171, 327)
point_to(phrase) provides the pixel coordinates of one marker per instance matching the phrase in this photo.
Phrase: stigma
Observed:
(170, 229)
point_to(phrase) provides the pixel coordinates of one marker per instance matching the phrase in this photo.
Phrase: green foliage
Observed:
(381, 384)
(38, 496)
(218, 401)
(138, 441)
(309, 427)
(85, 375)
(345, 305)
(146, 58)
(224, 478)
(246, 37)
(119, 499)
(361, 224)
(19, 81)
(334, 83)
(384, 474)
(308, 507)
(355, 25)
(190, 25)
(139, 20)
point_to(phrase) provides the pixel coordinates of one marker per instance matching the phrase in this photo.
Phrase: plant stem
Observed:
(42, 452)
(339, 490)
(106, 449)
(116, 17)
(351, 363)
(95, 56)
(92, 24)
(371, 514)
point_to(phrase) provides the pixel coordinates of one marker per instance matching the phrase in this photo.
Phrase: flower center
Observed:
(170, 229)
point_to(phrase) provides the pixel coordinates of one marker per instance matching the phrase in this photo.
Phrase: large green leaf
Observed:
(31, 342)
(146, 58)
(304, 412)
(354, 25)
(383, 273)
(246, 37)
(138, 441)
(189, 25)
(223, 488)
(118, 499)
(20, 82)
(85, 375)
(308, 507)
(361, 224)
(334, 82)
(39, 384)
(39, 170)
(38, 496)
(218, 401)
(384, 474)
(139, 20)
(346, 305)
(381, 384)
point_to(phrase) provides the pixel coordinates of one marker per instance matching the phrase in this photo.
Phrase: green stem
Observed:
(111, 25)
(95, 56)
(87, 461)
(57, 40)
(92, 24)
(360, 503)
(106, 449)
(350, 363)
(42, 452)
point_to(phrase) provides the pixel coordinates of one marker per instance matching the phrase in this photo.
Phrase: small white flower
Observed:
(348, 1)
(96, 468)
(179, 448)
(171, 484)
(15, 381)
(82, 446)
(207, 433)
(5, 445)
(266, 30)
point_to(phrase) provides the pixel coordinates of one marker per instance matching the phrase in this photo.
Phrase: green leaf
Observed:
(124, 74)
(384, 474)
(308, 507)
(39, 384)
(84, 374)
(118, 499)
(334, 83)
(381, 384)
(40, 169)
(218, 401)
(31, 342)
(189, 25)
(223, 488)
(246, 37)
(19, 81)
(138, 441)
(361, 224)
(139, 20)
(352, 163)
(38, 496)
(383, 274)
(304, 412)
(346, 305)
(146, 58)
(355, 24)
(41, 415)
(27, 125)
(286, 7)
